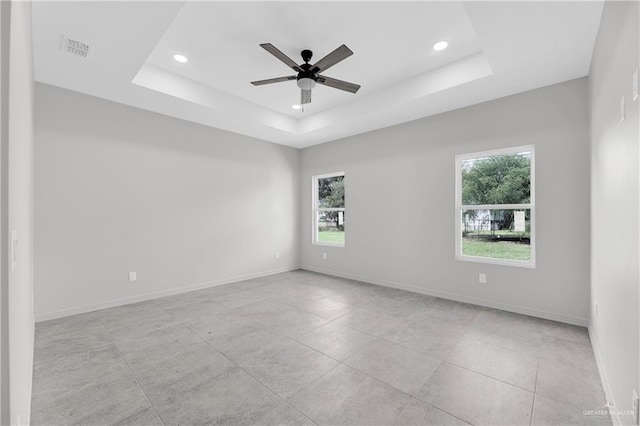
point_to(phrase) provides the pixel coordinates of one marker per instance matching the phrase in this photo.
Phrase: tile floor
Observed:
(303, 348)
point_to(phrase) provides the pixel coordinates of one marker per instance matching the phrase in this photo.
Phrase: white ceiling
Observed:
(495, 49)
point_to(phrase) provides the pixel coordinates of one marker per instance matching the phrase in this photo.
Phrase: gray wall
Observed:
(17, 209)
(614, 203)
(119, 189)
(5, 25)
(400, 207)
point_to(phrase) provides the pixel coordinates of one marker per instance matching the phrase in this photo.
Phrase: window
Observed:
(328, 209)
(495, 207)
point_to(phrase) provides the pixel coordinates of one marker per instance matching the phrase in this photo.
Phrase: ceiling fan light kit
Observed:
(309, 75)
(306, 83)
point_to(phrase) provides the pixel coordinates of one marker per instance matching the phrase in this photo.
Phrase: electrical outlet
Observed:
(133, 276)
(277, 255)
(324, 256)
(482, 278)
(595, 309)
(635, 403)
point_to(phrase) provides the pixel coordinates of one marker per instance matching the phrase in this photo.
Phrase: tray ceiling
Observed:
(495, 49)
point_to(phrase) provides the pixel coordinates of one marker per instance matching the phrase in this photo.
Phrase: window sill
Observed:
(531, 264)
(328, 244)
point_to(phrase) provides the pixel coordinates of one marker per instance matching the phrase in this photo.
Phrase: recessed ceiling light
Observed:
(295, 106)
(180, 58)
(441, 45)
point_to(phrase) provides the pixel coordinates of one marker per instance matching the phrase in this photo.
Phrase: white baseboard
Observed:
(155, 295)
(459, 298)
(615, 417)
(430, 292)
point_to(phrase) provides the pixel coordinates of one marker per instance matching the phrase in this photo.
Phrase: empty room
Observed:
(319, 213)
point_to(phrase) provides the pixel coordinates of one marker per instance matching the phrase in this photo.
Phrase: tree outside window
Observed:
(329, 209)
(495, 206)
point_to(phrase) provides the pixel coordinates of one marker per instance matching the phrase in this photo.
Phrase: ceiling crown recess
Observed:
(496, 49)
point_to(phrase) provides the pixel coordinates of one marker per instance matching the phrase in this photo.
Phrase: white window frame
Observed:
(531, 263)
(315, 210)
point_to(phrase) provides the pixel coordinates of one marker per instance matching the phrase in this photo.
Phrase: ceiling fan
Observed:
(308, 75)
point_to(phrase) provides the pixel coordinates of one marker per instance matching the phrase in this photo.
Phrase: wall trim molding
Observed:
(583, 322)
(156, 295)
(593, 336)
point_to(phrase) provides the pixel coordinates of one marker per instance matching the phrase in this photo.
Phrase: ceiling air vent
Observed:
(75, 47)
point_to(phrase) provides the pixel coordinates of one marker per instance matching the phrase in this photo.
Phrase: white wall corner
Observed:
(615, 418)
